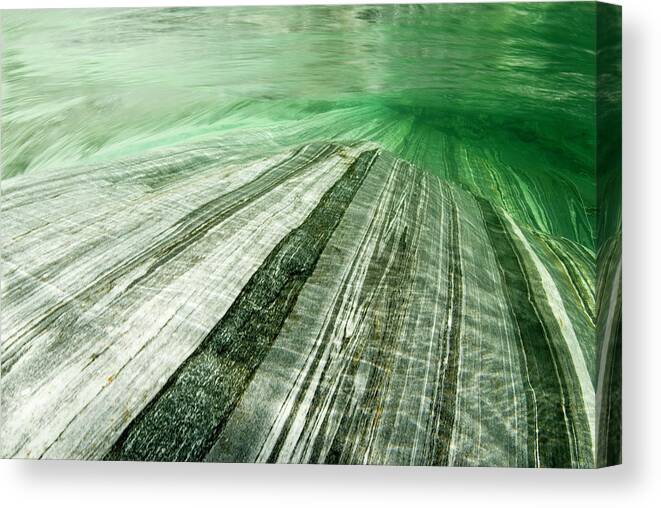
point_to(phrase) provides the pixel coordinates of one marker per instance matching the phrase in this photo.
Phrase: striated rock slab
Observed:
(109, 284)
(328, 304)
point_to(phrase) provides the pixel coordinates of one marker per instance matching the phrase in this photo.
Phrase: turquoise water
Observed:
(499, 97)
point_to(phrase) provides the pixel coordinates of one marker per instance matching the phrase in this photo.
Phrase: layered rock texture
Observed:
(328, 304)
(329, 234)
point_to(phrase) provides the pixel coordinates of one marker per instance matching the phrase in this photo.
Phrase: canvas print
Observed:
(348, 234)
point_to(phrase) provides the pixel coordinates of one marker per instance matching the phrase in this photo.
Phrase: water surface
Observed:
(498, 97)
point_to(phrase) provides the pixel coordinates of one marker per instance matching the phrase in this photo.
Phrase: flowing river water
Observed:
(497, 97)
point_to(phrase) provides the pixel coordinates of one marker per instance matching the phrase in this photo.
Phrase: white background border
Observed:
(55, 484)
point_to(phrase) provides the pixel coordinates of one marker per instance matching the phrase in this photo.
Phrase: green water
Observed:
(499, 97)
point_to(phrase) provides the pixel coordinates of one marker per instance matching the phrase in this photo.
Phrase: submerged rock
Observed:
(328, 304)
